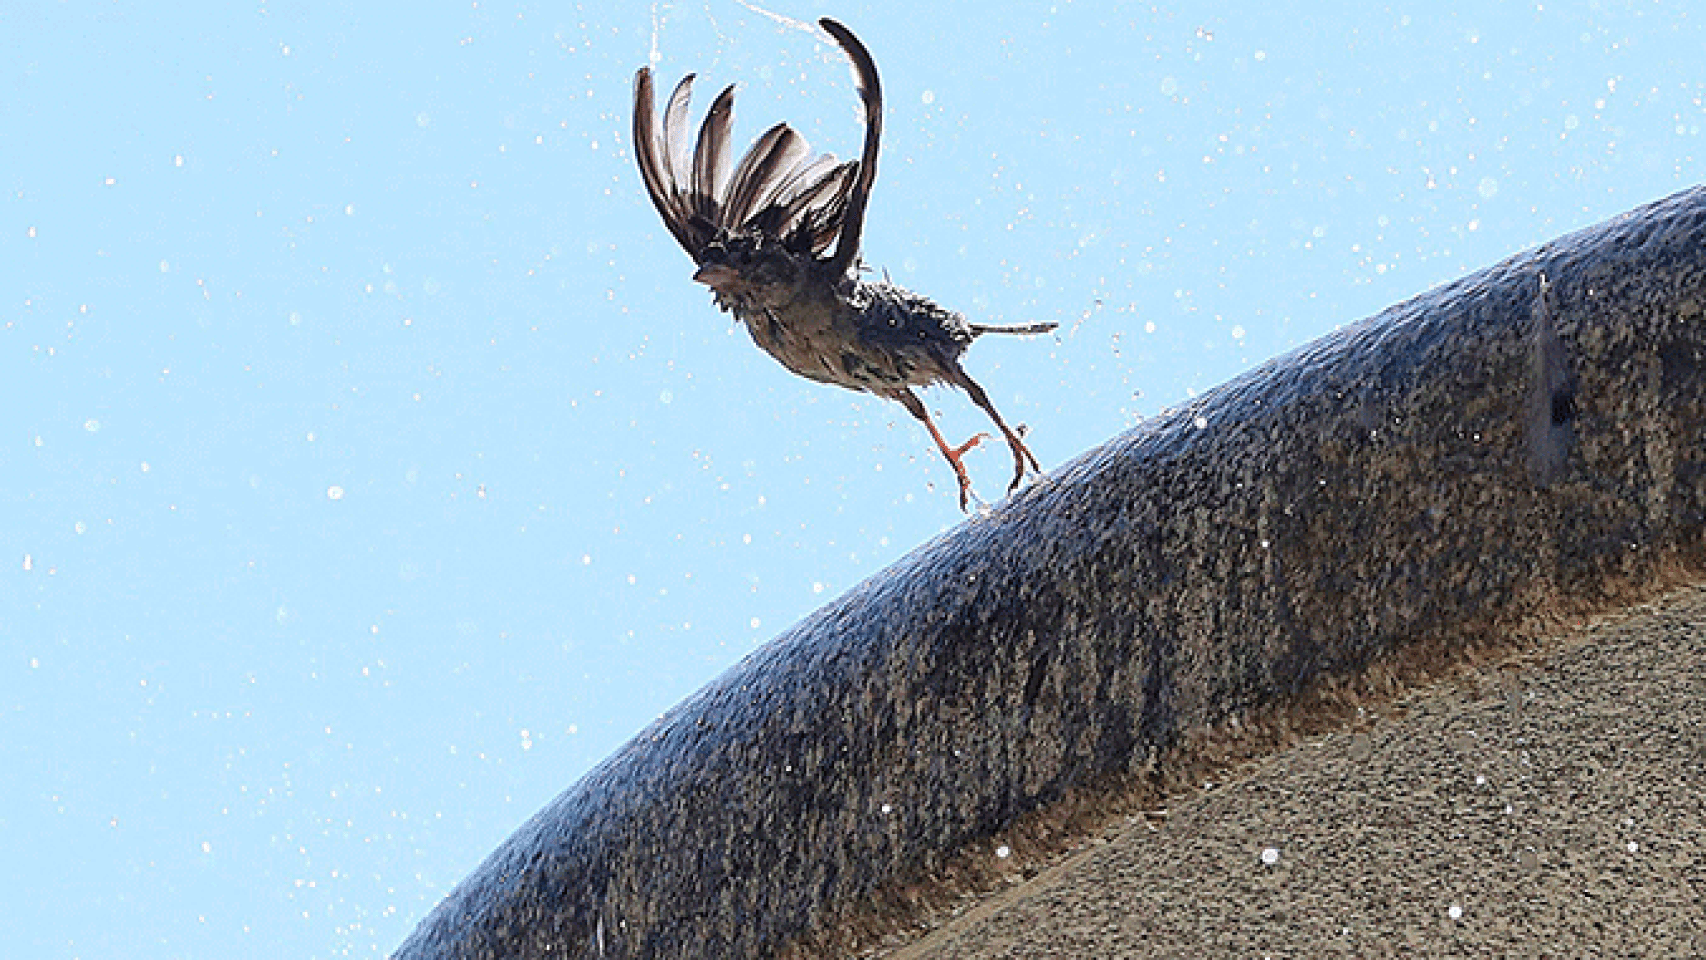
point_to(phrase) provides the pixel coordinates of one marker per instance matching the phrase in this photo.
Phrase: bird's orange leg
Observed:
(914, 406)
(1021, 453)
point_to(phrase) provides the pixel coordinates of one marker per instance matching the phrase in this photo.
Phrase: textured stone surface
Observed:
(1554, 807)
(1433, 479)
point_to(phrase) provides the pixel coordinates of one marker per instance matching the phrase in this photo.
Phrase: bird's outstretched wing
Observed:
(777, 190)
(871, 92)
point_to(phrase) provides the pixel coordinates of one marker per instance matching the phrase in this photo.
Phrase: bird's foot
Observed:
(954, 455)
(969, 445)
(966, 493)
(1023, 459)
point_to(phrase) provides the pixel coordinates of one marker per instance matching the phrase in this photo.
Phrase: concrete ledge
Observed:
(1449, 476)
(1547, 806)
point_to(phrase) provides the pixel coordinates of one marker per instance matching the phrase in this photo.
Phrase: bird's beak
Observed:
(717, 276)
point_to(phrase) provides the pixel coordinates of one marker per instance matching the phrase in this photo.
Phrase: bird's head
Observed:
(721, 277)
(750, 272)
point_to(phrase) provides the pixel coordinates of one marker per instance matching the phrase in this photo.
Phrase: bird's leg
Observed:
(1021, 453)
(914, 406)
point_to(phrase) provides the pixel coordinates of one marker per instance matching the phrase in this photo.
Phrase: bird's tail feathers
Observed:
(978, 329)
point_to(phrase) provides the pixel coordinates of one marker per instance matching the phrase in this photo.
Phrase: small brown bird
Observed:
(761, 237)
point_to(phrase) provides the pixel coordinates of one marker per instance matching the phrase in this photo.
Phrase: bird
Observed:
(776, 237)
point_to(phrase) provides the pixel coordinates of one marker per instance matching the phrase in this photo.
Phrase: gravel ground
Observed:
(1553, 806)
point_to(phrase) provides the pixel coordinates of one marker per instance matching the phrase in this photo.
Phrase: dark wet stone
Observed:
(1434, 477)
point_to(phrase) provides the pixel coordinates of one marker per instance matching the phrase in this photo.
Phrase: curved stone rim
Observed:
(1432, 479)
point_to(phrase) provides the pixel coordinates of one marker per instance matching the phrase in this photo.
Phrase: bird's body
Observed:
(761, 237)
(843, 331)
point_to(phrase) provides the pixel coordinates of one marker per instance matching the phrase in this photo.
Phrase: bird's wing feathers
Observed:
(805, 175)
(711, 158)
(764, 170)
(773, 190)
(649, 152)
(812, 217)
(871, 92)
(675, 131)
(778, 217)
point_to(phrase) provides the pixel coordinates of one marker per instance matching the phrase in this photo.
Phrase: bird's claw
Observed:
(954, 455)
(971, 444)
(1022, 459)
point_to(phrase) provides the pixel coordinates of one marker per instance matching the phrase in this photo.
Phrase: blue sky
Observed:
(371, 467)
